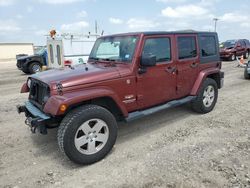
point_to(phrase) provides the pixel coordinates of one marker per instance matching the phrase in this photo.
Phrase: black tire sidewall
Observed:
(69, 135)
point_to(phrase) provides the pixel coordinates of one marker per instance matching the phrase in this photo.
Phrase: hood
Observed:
(28, 56)
(77, 75)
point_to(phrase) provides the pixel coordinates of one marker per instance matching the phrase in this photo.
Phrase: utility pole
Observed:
(96, 27)
(215, 23)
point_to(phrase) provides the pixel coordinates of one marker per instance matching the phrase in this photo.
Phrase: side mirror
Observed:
(148, 60)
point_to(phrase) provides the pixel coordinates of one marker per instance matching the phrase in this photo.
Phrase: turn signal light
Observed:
(63, 108)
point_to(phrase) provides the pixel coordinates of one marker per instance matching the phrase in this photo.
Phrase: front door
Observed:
(187, 63)
(158, 83)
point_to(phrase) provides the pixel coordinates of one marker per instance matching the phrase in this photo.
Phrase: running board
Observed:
(139, 114)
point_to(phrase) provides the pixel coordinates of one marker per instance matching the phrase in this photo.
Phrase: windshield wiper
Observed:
(107, 59)
(94, 58)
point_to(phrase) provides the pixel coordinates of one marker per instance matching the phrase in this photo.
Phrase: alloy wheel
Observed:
(208, 96)
(91, 136)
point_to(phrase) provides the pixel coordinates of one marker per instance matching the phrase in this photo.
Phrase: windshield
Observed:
(114, 48)
(228, 44)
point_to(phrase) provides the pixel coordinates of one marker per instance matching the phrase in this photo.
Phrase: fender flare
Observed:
(53, 104)
(200, 79)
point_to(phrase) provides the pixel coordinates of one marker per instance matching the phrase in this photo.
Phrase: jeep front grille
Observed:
(39, 93)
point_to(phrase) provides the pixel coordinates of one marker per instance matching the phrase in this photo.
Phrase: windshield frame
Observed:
(93, 55)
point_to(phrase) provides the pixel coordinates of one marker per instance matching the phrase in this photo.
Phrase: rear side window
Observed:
(187, 47)
(160, 47)
(208, 46)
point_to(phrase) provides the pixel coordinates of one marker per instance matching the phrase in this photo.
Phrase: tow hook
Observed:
(35, 123)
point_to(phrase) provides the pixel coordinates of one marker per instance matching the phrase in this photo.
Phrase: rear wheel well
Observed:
(105, 102)
(215, 77)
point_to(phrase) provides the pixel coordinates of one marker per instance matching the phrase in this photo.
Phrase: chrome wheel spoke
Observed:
(81, 141)
(86, 128)
(101, 138)
(91, 147)
(98, 126)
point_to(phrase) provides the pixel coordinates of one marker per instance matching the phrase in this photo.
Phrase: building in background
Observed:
(8, 51)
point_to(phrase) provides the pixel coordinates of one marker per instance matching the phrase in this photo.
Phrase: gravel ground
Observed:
(173, 148)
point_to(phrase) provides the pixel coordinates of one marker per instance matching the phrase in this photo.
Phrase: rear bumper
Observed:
(35, 118)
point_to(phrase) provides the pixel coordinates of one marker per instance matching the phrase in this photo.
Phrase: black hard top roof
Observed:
(166, 32)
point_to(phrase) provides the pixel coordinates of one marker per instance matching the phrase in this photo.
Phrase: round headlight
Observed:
(29, 83)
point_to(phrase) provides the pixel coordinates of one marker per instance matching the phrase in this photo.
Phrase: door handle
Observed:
(171, 69)
(194, 65)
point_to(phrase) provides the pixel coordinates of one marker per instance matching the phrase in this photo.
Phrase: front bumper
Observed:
(36, 119)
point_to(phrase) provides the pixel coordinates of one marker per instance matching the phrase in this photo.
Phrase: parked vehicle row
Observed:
(230, 49)
(128, 76)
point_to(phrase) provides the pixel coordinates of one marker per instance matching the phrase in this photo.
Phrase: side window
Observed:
(58, 51)
(187, 47)
(51, 53)
(159, 47)
(208, 46)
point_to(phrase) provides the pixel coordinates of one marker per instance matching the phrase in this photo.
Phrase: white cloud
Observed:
(134, 23)
(82, 14)
(115, 21)
(234, 17)
(8, 26)
(245, 25)
(74, 27)
(60, 1)
(184, 11)
(6, 2)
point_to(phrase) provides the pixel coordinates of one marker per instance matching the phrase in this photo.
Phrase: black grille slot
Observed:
(39, 93)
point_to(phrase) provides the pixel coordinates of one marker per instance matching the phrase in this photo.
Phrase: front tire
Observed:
(207, 97)
(35, 67)
(87, 134)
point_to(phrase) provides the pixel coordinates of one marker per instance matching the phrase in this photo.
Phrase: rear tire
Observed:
(246, 75)
(207, 97)
(35, 67)
(87, 134)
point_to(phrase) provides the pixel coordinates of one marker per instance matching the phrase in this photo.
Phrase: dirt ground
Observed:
(173, 148)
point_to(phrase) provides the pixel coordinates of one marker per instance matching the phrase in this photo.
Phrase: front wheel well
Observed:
(105, 102)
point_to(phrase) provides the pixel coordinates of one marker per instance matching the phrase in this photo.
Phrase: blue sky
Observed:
(30, 20)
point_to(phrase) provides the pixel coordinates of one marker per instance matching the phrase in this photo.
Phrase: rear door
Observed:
(158, 83)
(187, 62)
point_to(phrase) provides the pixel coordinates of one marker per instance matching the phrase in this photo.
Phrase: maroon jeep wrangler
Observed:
(127, 76)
